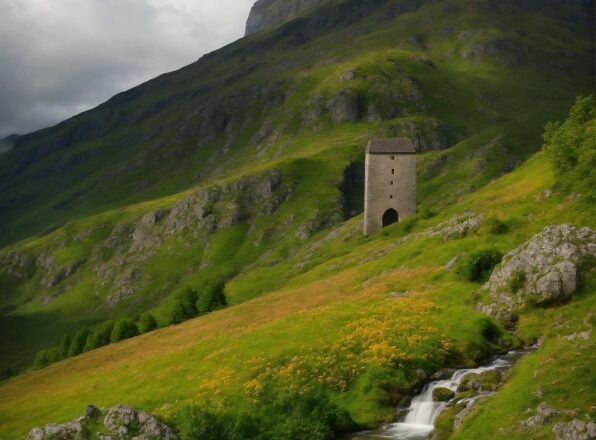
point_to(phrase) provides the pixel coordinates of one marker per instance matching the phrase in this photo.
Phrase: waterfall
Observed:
(419, 421)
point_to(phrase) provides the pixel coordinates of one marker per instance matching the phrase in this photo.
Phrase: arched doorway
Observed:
(390, 217)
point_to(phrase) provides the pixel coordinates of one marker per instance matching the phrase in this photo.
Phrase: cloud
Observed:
(61, 57)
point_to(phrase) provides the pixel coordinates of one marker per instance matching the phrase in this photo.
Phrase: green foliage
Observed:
(124, 329)
(188, 299)
(101, 336)
(442, 394)
(425, 213)
(147, 322)
(571, 146)
(517, 281)
(79, 342)
(177, 314)
(41, 358)
(477, 266)
(310, 416)
(495, 226)
(211, 297)
(65, 345)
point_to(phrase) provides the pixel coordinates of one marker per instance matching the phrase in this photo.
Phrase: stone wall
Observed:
(390, 182)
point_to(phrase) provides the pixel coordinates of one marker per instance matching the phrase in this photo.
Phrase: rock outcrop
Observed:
(266, 13)
(575, 430)
(121, 422)
(545, 270)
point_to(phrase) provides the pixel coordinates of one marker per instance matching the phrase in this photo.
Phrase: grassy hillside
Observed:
(284, 113)
(440, 72)
(335, 327)
(245, 168)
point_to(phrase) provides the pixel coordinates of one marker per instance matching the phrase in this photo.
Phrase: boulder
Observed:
(543, 271)
(442, 394)
(121, 418)
(575, 430)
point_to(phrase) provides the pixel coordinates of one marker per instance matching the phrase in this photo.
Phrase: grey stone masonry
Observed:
(389, 183)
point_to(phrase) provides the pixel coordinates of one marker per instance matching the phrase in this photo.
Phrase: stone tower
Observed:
(389, 182)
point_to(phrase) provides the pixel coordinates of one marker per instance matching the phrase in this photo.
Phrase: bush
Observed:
(147, 322)
(54, 354)
(124, 329)
(101, 336)
(211, 298)
(65, 345)
(188, 298)
(495, 226)
(517, 281)
(41, 358)
(309, 416)
(571, 147)
(79, 342)
(478, 265)
(177, 314)
(426, 213)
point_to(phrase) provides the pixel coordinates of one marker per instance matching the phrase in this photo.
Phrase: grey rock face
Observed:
(575, 430)
(73, 430)
(508, 52)
(266, 13)
(543, 415)
(544, 270)
(121, 420)
(345, 106)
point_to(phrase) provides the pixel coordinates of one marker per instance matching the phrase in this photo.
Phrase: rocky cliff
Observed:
(265, 13)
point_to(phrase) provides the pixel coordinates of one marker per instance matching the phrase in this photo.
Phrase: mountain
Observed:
(266, 13)
(245, 170)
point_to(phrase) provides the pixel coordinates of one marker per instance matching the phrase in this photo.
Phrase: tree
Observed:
(572, 149)
(41, 358)
(188, 299)
(65, 345)
(212, 297)
(177, 314)
(147, 322)
(124, 329)
(79, 342)
(101, 336)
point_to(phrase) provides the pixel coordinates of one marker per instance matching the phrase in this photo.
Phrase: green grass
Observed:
(334, 318)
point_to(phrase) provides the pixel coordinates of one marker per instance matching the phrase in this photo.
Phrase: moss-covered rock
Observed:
(442, 394)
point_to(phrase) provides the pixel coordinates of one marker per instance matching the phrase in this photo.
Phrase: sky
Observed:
(61, 57)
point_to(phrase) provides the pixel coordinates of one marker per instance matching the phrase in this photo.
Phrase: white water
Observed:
(419, 421)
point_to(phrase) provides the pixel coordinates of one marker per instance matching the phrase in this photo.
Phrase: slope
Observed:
(440, 72)
(282, 115)
(364, 326)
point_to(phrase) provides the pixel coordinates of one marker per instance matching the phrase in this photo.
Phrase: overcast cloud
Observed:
(61, 57)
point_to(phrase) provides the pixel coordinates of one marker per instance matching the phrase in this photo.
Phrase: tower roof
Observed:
(390, 146)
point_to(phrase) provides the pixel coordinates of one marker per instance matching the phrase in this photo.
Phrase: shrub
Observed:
(41, 358)
(101, 336)
(478, 265)
(147, 322)
(188, 299)
(495, 226)
(124, 329)
(571, 148)
(79, 342)
(211, 298)
(65, 345)
(177, 314)
(517, 281)
(54, 354)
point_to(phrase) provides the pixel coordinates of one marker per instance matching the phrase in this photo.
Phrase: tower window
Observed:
(390, 196)
(392, 182)
(392, 171)
(392, 157)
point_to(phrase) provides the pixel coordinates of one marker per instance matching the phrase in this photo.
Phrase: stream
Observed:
(420, 417)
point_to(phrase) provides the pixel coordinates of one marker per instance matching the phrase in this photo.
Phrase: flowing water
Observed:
(419, 420)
